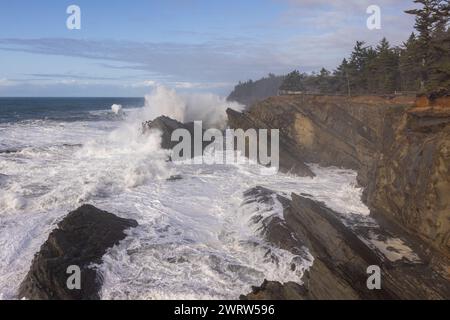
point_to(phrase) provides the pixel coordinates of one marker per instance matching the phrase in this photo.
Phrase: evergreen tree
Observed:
(422, 63)
(410, 65)
(324, 81)
(386, 68)
(425, 19)
(439, 57)
(342, 78)
(356, 68)
(293, 82)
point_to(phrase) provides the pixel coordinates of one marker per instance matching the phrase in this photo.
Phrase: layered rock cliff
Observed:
(343, 249)
(410, 180)
(400, 150)
(400, 147)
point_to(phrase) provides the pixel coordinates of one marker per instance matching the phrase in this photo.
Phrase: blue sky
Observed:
(126, 47)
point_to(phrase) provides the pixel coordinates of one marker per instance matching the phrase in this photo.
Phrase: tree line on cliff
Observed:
(419, 65)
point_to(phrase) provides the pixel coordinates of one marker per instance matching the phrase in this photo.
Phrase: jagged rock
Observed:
(167, 126)
(175, 178)
(271, 290)
(342, 255)
(411, 180)
(330, 130)
(273, 228)
(81, 239)
(290, 157)
(398, 145)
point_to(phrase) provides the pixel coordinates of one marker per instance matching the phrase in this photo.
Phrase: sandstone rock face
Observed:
(291, 159)
(332, 130)
(81, 239)
(411, 179)
(401, 151)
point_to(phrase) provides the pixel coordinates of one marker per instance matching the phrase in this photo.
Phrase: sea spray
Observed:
(194, 240)
(117, 109)
(209, 108)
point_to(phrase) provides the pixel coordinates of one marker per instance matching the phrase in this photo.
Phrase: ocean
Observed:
(196, 238)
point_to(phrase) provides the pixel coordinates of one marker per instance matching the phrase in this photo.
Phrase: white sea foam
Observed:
(193, 240)
(117, 109)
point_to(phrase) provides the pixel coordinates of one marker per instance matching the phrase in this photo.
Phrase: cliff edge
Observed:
(400, 147)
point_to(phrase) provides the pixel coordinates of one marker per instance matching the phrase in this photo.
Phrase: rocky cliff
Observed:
(410, 180)
(343, 249)
(400, 147)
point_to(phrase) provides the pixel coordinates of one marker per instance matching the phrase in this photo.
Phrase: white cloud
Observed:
(6, 83)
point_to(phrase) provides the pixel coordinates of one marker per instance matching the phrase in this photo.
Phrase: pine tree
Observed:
(386, 68)
(324, 81)
(356, 68)
(439, 63)
(293, 82)
(425, 20)
(410, 65)
(342, 78)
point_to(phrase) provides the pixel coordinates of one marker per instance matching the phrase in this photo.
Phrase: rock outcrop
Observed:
(328, 130)
(166, 126)
(343, 250)
(400, 148)
(410, 180)
(81, 239)
(398, 145)
(271, 290)
(291, 159)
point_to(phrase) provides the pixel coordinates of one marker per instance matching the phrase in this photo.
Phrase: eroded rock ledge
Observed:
(81, 239)
(343, 248)
(399, 146)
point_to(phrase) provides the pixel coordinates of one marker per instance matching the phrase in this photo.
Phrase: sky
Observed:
(124, 48)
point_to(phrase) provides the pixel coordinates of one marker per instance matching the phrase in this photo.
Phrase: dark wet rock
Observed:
(72, 145)
(271, 290)
(291, 159)
(167, 126)
(342, 255)
(273, 228)
(398, 145)
(177, 260)
(81, 239)
(9, 151)
(175, 178)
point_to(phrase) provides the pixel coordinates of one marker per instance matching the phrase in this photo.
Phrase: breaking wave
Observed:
(194, 239)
